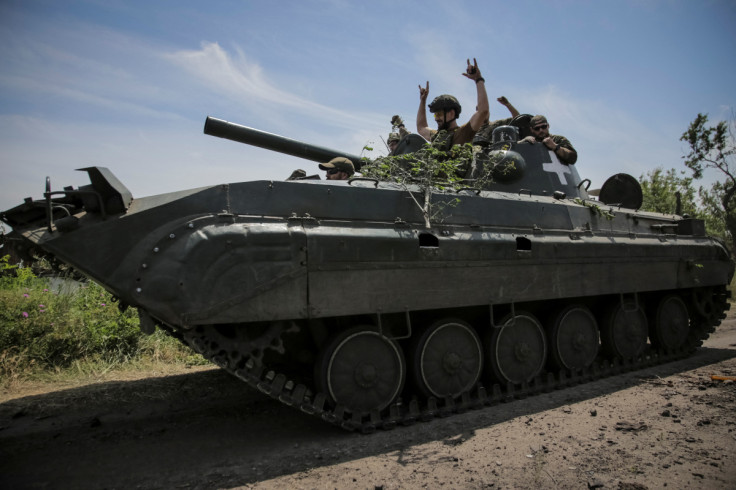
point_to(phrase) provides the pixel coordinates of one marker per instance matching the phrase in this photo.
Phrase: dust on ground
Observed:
(670, 426)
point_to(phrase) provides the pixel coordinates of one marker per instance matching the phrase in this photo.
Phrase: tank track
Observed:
(249, 368)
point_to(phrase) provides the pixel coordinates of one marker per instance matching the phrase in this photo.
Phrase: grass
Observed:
(76, 329)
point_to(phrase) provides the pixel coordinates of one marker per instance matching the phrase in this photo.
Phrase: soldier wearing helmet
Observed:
(446, 110)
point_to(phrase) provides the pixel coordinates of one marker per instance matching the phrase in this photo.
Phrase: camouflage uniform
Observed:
(398, 123)
(481, 139)
(461, 135)
(565, 143)
(485, 132)
(560, 140)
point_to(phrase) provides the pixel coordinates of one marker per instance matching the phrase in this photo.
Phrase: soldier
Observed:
(446, 110)
(560, 145)
(485, 131)
(398, 133)
(393, 142)
(397, 124)
(505, 102)
(339, 168)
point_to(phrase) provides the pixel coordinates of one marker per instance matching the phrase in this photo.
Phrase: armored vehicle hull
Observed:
(335, 298)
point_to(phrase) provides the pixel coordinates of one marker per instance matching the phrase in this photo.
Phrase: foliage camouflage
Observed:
(428, 169)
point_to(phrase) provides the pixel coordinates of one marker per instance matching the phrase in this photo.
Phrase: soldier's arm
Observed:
(482, 108)
(565, 152)
(505, 102)
(422, 126)
(529, 139)
(398, 124)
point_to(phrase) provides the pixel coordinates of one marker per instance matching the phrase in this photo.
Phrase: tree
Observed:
(660, 188)
(715, 220)
(713, 147)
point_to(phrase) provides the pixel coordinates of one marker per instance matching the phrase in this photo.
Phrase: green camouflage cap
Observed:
(393, 137)
(537, 120)
(340, 163)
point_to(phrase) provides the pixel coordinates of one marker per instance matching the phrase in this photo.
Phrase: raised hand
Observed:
(472, 71)
(423, 92)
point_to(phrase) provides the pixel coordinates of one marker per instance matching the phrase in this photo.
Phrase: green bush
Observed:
(45, 327)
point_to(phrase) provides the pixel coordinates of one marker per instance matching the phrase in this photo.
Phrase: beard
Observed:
(443, 125)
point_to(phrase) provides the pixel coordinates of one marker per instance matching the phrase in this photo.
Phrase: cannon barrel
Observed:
(274, 142)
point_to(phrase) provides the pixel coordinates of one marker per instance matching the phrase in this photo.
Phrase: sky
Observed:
(128, 84)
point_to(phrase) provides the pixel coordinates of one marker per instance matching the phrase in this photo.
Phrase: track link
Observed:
(406, 412)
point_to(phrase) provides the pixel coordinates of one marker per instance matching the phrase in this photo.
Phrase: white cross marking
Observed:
(556, 167)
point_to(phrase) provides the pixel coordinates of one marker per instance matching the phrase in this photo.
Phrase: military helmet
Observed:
(445, 102)
(393, 137)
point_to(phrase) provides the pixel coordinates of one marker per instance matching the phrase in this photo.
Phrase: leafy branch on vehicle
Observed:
(595, 208)
(425, 172)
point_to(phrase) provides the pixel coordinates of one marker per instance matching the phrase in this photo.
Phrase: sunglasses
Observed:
(332, 171)
(540, 127)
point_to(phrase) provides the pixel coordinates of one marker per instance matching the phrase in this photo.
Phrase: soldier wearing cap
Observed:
(339, 168)
(446, 110)
(560, 145)
(393, 142)
(398, 132)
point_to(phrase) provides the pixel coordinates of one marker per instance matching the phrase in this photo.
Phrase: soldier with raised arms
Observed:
(446, 110)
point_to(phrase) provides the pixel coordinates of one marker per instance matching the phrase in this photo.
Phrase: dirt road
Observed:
(669, 426)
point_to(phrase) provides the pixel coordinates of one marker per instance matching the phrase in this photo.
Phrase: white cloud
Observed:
(239, 80)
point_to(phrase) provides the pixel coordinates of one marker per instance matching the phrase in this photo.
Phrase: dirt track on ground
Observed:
(669, 426)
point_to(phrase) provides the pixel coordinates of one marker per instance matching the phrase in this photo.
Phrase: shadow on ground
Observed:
(208, 430)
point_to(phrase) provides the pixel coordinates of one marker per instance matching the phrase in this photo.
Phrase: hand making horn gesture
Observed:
(473, 72)
(423, 92)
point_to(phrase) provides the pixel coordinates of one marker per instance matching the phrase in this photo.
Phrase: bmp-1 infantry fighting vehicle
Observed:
(335, 298)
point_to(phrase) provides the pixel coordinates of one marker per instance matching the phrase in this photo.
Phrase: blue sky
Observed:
(128, 84)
